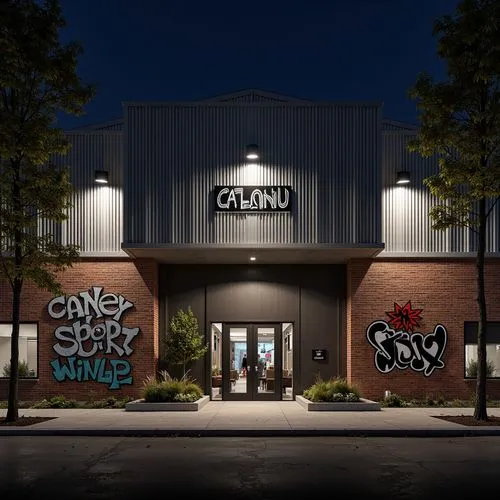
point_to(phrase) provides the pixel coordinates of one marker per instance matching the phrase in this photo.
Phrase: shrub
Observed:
(333, 390)
(110, 402)
(21, 404)
(24, 370)
(120, 403)
(338, 396)
(184, 343)
(471, 370)
(394, 401)
(352, 397)
(56, 402)
(166, 389)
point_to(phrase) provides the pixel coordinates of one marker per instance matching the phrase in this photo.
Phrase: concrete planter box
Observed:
(361, 405)
(141, 405)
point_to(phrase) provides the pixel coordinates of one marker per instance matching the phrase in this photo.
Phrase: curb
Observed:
(401, 433)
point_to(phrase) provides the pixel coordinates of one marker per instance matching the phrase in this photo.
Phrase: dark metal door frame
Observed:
(252, 392)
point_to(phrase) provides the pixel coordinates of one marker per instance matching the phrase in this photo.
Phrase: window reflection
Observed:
(287, 362)
(492, 360)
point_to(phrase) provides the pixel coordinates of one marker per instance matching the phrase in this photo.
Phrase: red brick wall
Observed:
(136, 280)
(446, 291)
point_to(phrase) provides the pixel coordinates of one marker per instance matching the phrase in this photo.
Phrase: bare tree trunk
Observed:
(480, 411)
(17, 284)
(12, 411)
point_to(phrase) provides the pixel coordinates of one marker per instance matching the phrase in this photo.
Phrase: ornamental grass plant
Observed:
(331, 391)
(165, 389)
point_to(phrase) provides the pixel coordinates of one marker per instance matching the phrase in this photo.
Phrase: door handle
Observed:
(256, 368)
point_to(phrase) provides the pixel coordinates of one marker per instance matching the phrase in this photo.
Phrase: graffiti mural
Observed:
(89, 345)
(397, 345)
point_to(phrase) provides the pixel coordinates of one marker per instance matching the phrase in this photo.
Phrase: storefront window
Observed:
(28, 350)
(492, 349)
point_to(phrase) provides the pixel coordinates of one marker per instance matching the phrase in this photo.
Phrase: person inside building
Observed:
(244, 365)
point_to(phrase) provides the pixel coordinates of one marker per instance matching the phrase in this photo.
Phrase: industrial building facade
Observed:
(282, 225)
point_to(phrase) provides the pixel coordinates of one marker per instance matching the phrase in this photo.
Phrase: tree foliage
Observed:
(460, 117)
(184, 342)
(38, 80)
(460, 122)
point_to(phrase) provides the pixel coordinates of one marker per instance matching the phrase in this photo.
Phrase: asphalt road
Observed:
(253, 468)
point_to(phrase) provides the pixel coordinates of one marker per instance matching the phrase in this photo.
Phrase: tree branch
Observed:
(468, 226)
(492, 206)
(29, 97)
(5, 99)
(450, 152)
(5, 269)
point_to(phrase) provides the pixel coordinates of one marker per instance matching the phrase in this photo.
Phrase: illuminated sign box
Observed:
(253, 198)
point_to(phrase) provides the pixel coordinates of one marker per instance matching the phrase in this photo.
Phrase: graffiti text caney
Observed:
(94, 333)
(398, 346)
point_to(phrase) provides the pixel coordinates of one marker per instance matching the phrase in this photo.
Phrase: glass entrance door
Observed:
(235, 351)
(251, 361)
(266, 349)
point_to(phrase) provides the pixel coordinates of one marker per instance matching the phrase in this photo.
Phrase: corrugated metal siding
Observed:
(175, 155)
(96, 219)
(406, 225)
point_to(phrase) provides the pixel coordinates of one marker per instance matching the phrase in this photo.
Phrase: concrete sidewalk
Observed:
(284, 418)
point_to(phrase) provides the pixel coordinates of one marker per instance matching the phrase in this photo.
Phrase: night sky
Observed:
(335, 50)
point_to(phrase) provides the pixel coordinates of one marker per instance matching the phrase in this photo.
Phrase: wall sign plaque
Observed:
(319, 354)
(253, 198)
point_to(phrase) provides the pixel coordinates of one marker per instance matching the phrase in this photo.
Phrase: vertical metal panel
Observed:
(175, 155)
(493, 229)
(96, 219)
(406, 224)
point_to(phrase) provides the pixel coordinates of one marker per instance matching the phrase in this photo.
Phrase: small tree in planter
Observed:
(184, 343)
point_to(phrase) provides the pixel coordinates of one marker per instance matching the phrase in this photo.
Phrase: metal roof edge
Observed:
(92, 132)
(200, 104)
(95, 126)
(404, 126)
(253, 91)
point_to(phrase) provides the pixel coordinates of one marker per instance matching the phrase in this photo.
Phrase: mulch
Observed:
(23, 421)
(469, 420)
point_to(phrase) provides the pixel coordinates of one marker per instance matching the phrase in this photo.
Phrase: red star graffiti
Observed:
(404, 318)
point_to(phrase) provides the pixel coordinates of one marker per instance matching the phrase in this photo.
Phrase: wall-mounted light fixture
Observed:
(252, 152)
(403, 177)
(101, 176)
(253, 259)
